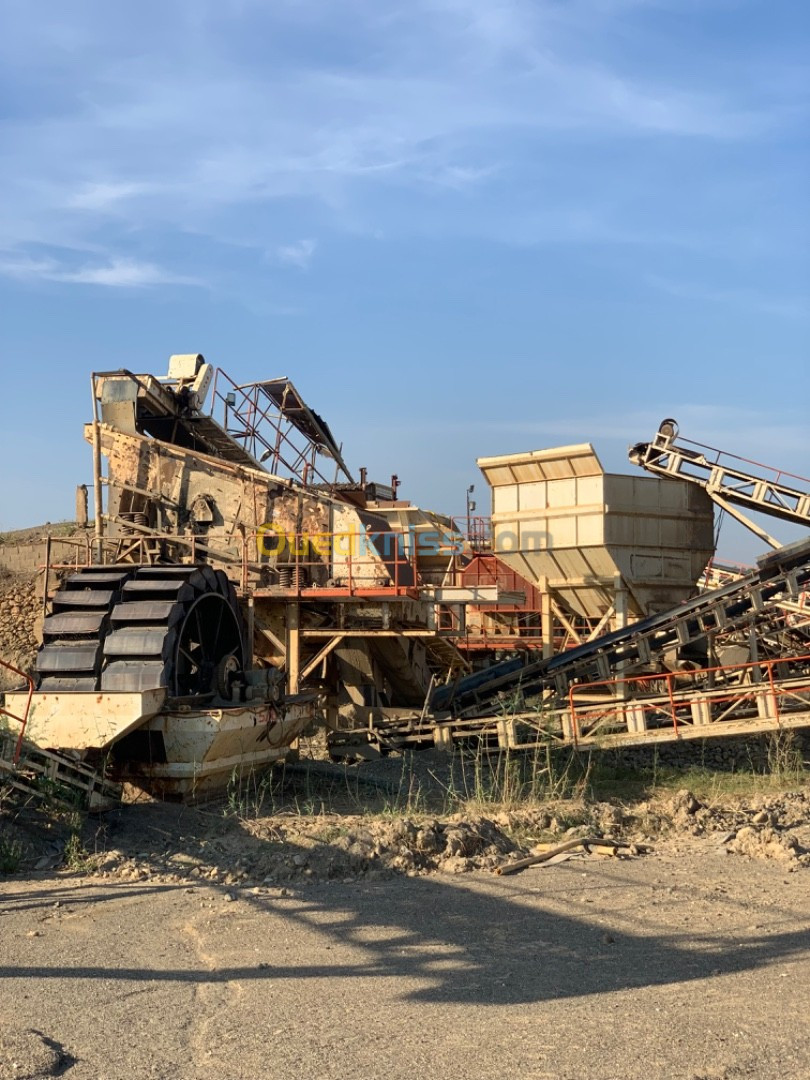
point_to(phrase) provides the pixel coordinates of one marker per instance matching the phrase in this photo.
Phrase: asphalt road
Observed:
(687, 963)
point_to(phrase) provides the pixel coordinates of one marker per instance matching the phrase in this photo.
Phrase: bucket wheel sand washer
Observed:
(149, 664)
(132, 629)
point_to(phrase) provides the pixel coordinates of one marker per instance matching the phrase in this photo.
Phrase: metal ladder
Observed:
(15, 741)
(46, 777)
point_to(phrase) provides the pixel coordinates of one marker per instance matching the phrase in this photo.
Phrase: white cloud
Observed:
(118, 273)
(105, 195)
(127, 273)
(437, 98)
(298, 254)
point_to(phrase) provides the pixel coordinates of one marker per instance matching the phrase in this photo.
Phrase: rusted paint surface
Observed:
(204, 749)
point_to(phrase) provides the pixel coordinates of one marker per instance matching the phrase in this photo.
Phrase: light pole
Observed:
(470, 507)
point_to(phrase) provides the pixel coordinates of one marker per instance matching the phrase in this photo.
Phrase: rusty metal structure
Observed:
(242, 585)
(732, 657)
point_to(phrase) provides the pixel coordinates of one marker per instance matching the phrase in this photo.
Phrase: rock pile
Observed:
(336, 850)
(765, 827)
(768, 843)
(19, 611)
(280, 849)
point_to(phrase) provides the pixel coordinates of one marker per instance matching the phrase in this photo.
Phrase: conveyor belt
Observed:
(753, 597)
(725, 477)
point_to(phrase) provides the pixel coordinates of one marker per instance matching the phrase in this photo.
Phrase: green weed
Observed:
(11, 854)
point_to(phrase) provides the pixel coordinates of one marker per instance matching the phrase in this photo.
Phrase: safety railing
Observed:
(727, 476)
(264, 432)
(514, 622)
(13, 717)
(744, 467)
(141, 544)
(718, 574)
(476, 530)
(486, 569)
(524, 631)
(767, 691)
(349, 561)
(491, 635)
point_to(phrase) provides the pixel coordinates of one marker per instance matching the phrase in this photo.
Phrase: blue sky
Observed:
(463, 227)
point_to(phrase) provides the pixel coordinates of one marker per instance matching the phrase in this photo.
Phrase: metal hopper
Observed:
(588, 536)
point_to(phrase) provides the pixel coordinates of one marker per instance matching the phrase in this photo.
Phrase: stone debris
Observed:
(279, 849)
(19, 611)
(764, 827)
(768, 843)
(249, 853)
(327, 849)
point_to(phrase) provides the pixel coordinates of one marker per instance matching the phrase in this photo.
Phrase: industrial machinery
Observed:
(241, 585)
(727, 660)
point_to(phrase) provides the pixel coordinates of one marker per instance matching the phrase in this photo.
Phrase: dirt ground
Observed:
(288, 932)
(686, 963)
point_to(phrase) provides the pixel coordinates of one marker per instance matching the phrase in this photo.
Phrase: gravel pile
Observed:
(278, 849)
